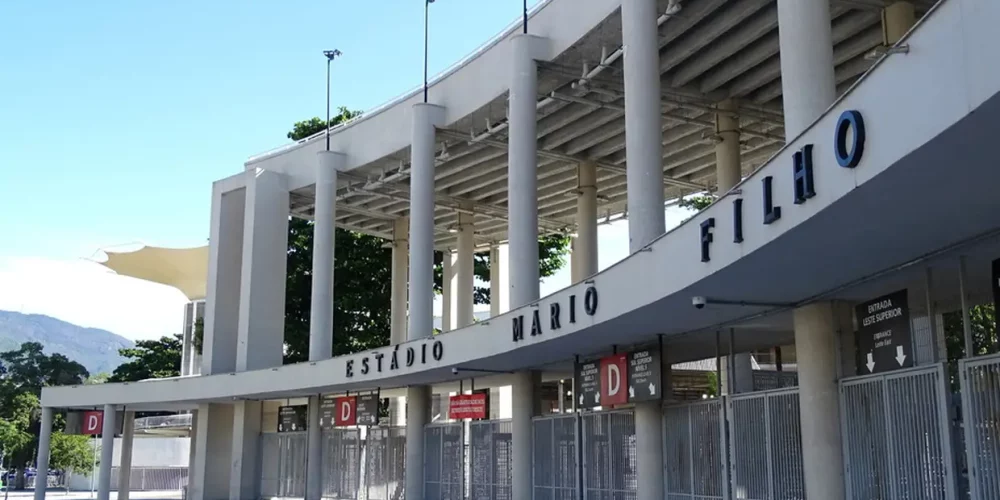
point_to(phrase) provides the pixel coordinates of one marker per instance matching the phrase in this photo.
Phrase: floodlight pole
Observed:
(427, 8)
(330, 56)
(524, 18)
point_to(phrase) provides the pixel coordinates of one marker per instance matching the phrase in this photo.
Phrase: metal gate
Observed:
(766, 445)
(490, 460)
(981, 417)
(896, 435)
(341, 455)
(693, 451)
(283, 465)
(146, 478)
(385, 461)
(609, 470)
(554, 457)
(444, 471)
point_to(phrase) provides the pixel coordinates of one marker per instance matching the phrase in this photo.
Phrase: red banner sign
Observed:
(347, 411)
(614, 380)
(93, 422)
(472, 406)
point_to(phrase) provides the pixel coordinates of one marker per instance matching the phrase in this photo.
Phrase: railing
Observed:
(766, 445)
(693, 451)
(981, 417)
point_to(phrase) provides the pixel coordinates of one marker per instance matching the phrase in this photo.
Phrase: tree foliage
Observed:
(150, 359)
(314, 125)
(23, 373)
(71, 452)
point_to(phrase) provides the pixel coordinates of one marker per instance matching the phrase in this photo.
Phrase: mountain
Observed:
(93, 348)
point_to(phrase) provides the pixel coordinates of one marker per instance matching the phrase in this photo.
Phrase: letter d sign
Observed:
(613, 373)
(346, 411)
(93, 422)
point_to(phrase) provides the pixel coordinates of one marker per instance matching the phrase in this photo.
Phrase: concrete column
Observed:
(495, 280)
(817, 328)
(400, 250)
(727, 149)
(418, 415)
(522, 174)
(192, 456)
(125, 462)
(649, 450)
(447, 286)
(244, 479)
(107, 453)
(422, 146)
(314, 450)
(525, 406)
(324, 238)
(213, 442)
(187, 332)
(225, 263)
(807, 79)
(465, 271)
(400, 258)
(262, 285)
(643, 123)
(585, 244)
(44, 445)
(897, 19)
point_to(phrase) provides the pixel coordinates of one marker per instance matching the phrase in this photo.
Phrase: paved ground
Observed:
(86, 495)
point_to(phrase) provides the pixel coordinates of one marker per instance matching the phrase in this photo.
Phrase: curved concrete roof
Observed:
(710, 50)
(858, 237)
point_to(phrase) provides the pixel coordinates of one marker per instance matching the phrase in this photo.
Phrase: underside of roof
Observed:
(710, 50)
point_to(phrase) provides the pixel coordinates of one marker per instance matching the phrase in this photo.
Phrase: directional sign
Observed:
(644, 375)
(614, 373)
(368, 406)
(884, 334)
(327, 412)
(588, 389)
(292, 418)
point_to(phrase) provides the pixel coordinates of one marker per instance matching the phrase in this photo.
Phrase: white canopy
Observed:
(185, 269)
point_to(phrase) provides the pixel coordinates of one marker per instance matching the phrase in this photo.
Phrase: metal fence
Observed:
(766, 445)
(609, 470)
(554, 457)
(693, 451)
(766, 380)
(490, 460)
(341, 455)
(152, 478)
(444, 470)
(896, 435)
(283, 465)
(385, 463)
(981, 417)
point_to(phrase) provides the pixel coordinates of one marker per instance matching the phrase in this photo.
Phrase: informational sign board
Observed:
(884, 336)
(644, 375)
(996, 291)
(588, 387)
(292, 418)
(614, 373)
(93, 423)
(368, 406)
(327, 410)
(346, 412)
(475, 406)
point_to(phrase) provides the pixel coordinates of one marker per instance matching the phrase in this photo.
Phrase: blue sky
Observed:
(117, 115)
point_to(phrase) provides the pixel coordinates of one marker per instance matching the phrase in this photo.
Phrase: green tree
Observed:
(99, 378)
(363, 270)
(23, 373)
(71, 452)
(984, 335)
(150, 359)
(696, 203)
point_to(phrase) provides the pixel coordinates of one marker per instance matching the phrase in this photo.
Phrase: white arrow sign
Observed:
(900, 357)
(597, 398)
(652, 389)
(871, 363)
(581, 399)
(631, 391)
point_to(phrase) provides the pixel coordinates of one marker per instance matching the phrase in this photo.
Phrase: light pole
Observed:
(524, 18)
(427, 8)
(330, 56)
